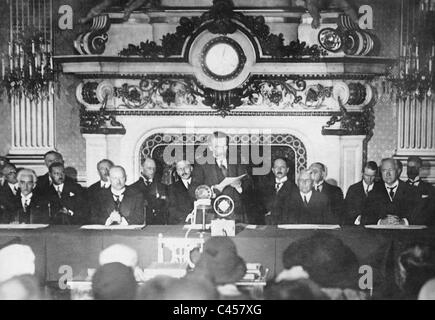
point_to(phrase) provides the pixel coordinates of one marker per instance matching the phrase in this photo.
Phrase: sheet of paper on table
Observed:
(23, 226)
(309, 226)
(114, 227)
(395, 227)
(196, 226)
(228, 181)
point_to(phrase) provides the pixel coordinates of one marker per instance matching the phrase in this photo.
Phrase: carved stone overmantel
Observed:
(151, 78)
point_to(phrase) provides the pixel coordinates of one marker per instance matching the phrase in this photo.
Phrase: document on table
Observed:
(395, 227)
(196, 226)
(113, 227)
(23, 226)
(228, 181)
(309, 226)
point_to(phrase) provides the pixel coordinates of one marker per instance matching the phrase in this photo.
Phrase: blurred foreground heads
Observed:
(16, 260)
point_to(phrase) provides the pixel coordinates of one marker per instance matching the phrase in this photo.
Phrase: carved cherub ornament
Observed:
(314, 7)
(129, 7)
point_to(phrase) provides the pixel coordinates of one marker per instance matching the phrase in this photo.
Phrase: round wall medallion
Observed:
(222, 59)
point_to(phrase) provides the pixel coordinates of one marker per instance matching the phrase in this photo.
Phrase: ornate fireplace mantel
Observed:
(187, 73)
(225, 68)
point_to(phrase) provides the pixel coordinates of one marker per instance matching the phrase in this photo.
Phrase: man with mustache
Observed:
(275, 190)
(65, 197)
(180, 200)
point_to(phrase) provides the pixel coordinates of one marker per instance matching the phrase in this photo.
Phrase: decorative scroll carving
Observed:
(158, 93)
(163, 93)
(94, 41)
(221, 19)
(352, 123)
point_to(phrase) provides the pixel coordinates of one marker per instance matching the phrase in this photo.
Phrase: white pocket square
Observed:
(71, 194)
(425, 196)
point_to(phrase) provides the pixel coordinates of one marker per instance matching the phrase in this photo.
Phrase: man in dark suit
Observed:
(154, 193)
(180, 200)
(8, 191)
(66, 199)
(3, 162)
(120, 204)
(27, 207)
(45, 181)
(357, 194)
(212, 170)
(103, 168)
(275, 190)
(307, 206)
(334, 193)
(391, 202)
(426, 192)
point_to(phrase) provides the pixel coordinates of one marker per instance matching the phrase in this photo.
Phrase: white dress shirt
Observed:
(319, 185)
(187, 182)
(59, 188)
(306, 195)
(105, 184)
(365, 185)
(395, 185)
(25, 200)
(280, 182)
(119, 193)
(415, 182)
(222, 162)
(13, 187)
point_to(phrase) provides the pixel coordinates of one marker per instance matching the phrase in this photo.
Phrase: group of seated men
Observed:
(55, 198)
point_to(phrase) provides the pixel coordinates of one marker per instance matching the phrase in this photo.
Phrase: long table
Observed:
(58, 246)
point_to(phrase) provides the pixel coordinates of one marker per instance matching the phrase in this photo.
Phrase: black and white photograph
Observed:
(232, 151)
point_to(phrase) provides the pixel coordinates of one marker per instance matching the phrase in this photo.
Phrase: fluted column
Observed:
(32, 125)
(416, 127)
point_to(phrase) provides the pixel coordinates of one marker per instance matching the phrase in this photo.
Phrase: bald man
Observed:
(154, 192)
(180, 200)
(119, 204)
(275, 189)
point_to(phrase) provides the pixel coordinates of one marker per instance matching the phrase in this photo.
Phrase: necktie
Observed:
(223, 169)
(391, 192)
(59, 193)
(367, 191)
(305, 201)
(318, 188)
(278, 186)
(117, 202)
(26, 205)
